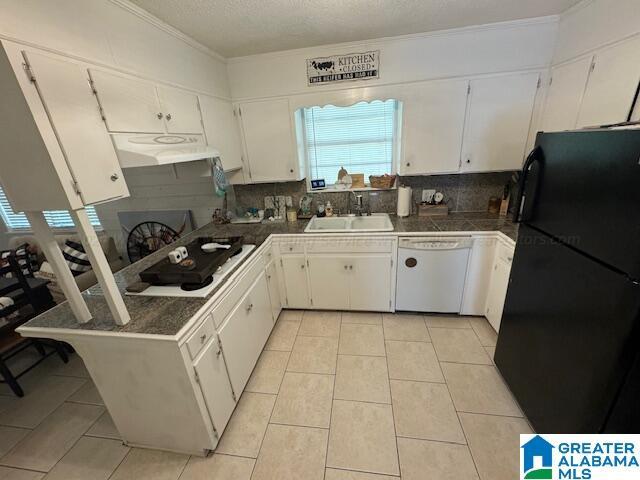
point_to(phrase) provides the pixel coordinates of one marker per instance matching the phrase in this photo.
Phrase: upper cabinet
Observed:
(433, 123)
(132, 105)
(221, 130)
(612, 84)
(181, 110)
(566, 88)
(498, 121)
(52, 129)
(128, 105)
(269, 140)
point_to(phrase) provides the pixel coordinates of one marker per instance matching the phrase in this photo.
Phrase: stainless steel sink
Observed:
(377, 222)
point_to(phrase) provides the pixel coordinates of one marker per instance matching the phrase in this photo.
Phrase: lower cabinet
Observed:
(341, 282)
(498, 283)
(245, 331)
(274, 290)
(214, 383)
(370, 283)
(329, 279)
(294, 276)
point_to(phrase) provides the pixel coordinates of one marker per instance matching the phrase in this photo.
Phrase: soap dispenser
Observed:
(328, 209)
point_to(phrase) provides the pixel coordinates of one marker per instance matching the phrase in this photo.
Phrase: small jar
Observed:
(292, 215)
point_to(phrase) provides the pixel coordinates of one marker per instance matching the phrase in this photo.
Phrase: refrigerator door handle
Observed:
(533, 157)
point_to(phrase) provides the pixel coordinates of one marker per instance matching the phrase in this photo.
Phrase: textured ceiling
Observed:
(244, 27)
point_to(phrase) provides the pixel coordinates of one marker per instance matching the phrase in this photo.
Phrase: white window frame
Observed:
(26, 229)
(302, 146)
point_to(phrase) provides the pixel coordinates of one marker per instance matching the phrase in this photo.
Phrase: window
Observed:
(55, 218)
(362, 138)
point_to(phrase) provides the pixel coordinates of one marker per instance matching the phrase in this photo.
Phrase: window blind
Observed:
(55, 218)
(359, 137)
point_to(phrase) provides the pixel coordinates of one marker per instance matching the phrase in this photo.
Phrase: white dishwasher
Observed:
(431, 273)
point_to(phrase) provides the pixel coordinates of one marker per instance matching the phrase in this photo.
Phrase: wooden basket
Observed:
(382, 181)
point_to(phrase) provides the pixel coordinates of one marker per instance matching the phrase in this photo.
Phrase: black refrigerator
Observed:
(569, 340)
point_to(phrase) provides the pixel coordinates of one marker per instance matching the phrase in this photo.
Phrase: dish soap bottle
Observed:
(328, 210)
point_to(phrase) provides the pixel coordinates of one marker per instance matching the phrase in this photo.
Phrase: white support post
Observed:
(54, 256)
(101, 267)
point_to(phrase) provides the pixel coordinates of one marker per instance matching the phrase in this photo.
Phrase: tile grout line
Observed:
(393, 416)
(326, 454)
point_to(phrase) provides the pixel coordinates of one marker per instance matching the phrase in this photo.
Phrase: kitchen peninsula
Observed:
(182, 363)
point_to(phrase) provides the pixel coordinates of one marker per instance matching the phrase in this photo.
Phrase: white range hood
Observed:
(147, 150)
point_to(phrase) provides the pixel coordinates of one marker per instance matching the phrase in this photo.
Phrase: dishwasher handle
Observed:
(435, 244)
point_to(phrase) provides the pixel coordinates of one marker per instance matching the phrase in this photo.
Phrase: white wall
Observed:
(501, 47)
(593, 24)
(115, 34)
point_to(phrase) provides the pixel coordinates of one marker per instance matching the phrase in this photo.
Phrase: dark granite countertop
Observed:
(168, 315)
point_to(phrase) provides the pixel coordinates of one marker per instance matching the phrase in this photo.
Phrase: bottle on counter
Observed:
(328, 209)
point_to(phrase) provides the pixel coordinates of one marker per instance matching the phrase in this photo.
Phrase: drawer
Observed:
(229, 301)
(201, 337)
(503, 252)
(291, 247)
(350, 245)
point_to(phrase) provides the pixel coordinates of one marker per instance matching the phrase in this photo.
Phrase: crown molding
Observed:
(174, 32)
(372, 43)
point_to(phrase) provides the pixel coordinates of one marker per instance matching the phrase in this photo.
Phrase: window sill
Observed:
(345, 190)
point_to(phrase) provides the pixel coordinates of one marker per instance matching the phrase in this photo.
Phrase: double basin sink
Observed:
(377, 222)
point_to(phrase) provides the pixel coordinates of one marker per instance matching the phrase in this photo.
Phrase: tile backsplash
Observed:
(468, 192)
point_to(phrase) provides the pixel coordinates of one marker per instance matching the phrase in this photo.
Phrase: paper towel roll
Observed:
(404, 201)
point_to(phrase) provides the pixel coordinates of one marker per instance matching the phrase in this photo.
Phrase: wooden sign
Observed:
(343, 68)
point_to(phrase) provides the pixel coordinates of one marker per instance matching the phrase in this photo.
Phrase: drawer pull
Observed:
(203, 337)
(219, 352)
(249, 307)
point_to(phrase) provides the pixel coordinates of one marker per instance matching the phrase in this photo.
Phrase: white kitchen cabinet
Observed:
(433, 123)
(128, 105)
(370, 283)
(612, 85)
(214, 384)
(181, 110)
(498, 121)
(68, 99)
(222, 131)
(274, 289)
(269, 141)
(498, 284)
(294, 277)
(245, 331)
(476, 285)
(564, 96)
(329, 281)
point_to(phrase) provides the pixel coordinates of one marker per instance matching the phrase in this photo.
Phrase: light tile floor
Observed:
(335, 396)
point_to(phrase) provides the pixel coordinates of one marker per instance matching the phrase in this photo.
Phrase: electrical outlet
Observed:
(427, 195)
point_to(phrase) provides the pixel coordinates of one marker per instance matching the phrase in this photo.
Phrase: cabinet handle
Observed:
(408, 164)
(291, 249)
(160, 115)
(510, 258)
(203, 337)
(249, 307)
(350, 267)
(468, 160)
(302, 267)
(291, 170)
(346, 266)
(168, 116)
(268, 277)
(218, 352)
(114, 177)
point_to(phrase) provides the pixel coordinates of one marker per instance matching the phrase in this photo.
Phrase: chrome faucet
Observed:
(359, 206)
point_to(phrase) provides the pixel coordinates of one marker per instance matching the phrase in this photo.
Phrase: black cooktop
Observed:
(197, 269)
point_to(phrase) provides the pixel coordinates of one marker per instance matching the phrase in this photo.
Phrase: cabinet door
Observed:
(370, 283)
(497, 292)
(567, 84)
(274, 290)
(294, 275)
(245, 331)
(65, 92)
(498, 121)
(128, 105)
(269, 140)
(612, 85)
(433, 122)
(329, 281)
(215, 385)
(221, 130)
(181, 110)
